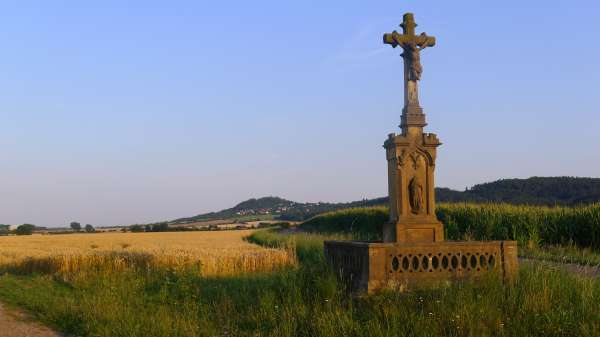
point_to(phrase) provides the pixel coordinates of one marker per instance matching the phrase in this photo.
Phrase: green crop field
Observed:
(526, 224)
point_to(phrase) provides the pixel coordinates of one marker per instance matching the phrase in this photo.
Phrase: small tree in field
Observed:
(136, 228)
(160, 227)
(76, 226)
(25, 229)
(89, 228)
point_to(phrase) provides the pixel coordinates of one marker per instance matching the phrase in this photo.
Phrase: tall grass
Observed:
(527, 224)
(543, 302)
(306, 301)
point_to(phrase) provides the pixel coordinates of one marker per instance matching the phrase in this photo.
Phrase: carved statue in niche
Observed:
(415, 191)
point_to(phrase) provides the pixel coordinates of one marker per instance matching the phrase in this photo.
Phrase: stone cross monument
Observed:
(411, 155)
(413, 253)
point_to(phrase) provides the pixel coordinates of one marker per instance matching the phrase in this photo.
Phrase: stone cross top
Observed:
(411, 155)
(412, 114)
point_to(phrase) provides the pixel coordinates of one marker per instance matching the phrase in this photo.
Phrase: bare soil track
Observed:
(18, 324)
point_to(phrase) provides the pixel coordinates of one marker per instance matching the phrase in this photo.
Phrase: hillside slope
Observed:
(565, 191)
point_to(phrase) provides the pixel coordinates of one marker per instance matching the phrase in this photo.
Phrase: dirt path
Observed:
(17, 324)
(587, 271)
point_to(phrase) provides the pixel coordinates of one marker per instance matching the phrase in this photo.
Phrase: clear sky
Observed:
(118, 112)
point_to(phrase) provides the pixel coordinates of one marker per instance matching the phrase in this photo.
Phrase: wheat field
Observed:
(209, 253)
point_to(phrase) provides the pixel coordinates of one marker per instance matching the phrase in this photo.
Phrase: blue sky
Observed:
(117, 112)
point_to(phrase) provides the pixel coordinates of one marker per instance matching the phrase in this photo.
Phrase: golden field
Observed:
(208, 253)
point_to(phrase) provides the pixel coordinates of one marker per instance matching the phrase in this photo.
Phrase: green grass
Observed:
(364, 223)
(308, 246)
(257, 217)
(306, 301)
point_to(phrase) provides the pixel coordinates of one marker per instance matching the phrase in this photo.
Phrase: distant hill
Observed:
(250, 207)
(277, 208)
(549, 191)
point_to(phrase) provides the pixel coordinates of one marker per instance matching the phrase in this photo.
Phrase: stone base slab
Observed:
(417, 231)
(370, 266)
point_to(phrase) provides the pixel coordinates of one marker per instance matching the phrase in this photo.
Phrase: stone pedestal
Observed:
(367, 267)
(411, 163)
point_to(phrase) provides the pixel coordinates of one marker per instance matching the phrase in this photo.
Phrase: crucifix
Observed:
(413, 252)
(412, 114)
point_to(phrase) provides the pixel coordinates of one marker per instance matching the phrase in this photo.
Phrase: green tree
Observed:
(89, 228)
(137, 228)
(76, 226)
(160, 227)
(25, 229)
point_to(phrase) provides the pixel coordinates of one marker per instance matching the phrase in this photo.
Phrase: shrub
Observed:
(160, 227)
(136, 228)
(25, 229)
(76, 226)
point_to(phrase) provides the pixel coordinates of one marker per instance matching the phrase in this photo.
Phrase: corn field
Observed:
(527, 224)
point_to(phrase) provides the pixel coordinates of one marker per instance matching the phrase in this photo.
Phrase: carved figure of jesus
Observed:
(412, 55)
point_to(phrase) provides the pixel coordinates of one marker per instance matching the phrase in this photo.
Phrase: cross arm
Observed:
(396, 39)
(393, 38)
